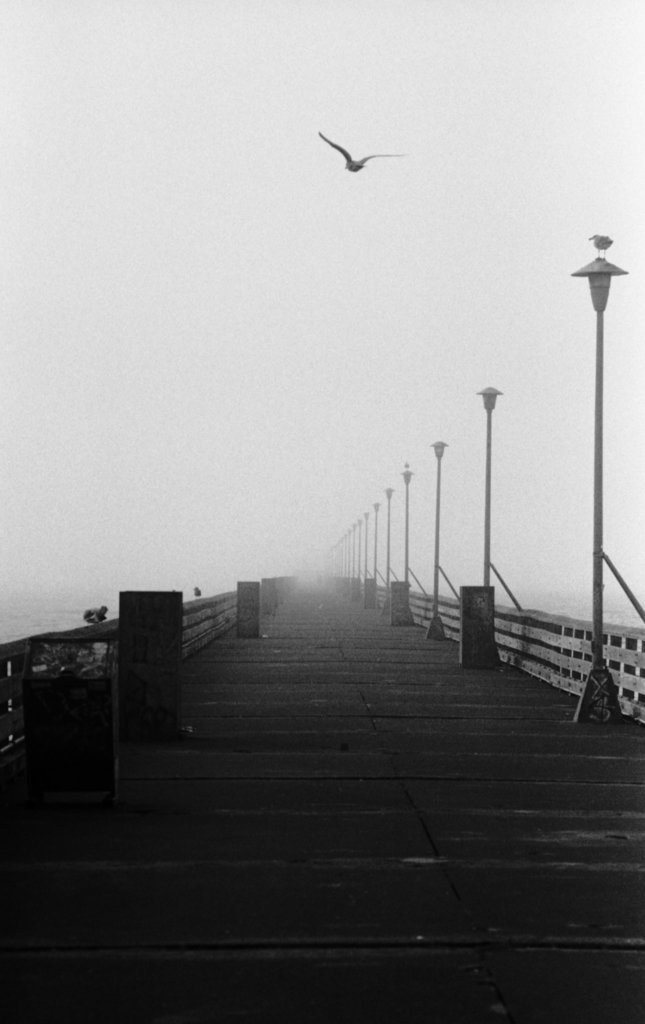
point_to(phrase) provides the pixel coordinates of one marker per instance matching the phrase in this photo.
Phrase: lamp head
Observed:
(599, 272)
(439, 448)
(490, 397)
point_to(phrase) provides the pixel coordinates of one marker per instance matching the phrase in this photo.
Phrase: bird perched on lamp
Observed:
(602, 243)
(351, 164)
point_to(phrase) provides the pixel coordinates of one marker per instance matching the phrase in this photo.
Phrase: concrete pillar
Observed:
(477, 647)
(248, 609)
(150, 630)
(370, 593)
(400, 614)
(269, 596)
(342, 586)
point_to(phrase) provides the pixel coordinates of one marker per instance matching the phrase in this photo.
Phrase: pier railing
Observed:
(554, 648)
(203, 621)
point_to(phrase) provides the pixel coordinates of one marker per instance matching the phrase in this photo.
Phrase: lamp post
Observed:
(388, 494)
(350, 569)
(400, 613)
(435, 629)
(389, 491)
(600, 697)
(366, 516)
(490, 397)
(377, 506)
(360, 550)
(407, 476)
(353, 529)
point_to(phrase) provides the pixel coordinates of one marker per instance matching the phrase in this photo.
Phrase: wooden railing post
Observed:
(150, 634)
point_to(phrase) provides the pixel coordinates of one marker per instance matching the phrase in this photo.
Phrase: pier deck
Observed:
(356, 829)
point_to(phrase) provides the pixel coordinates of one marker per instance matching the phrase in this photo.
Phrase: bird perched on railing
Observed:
(602, 243)
(355, 165)
(95, 614)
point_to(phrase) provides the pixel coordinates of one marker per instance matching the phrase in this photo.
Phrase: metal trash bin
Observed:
(71, 717)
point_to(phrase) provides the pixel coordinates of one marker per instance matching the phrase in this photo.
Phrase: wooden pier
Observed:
(351, 828)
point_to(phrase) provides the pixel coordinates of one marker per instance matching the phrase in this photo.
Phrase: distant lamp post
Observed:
(400, 613)
(360, 548)
(369, 591)
(389, 491)
(490, 397)
(599, 701)
(435, 629)
(377, 506)
(407, 476)
(388, 494)
(350, 564)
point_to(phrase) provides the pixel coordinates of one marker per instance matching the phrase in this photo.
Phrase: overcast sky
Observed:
(221, 347)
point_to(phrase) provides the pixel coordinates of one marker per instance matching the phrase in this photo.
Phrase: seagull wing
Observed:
(339, 148)
(366, 158)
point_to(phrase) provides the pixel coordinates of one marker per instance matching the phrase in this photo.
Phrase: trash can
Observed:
(70, 715)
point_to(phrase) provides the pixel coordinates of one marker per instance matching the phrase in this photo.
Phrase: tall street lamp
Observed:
(366, 516)
(388, 494)
(407, 476)
(377, 506)
(435, 629)
(400, 612)
(360, 548)
(389, 491)
(600, 697)
(490, 397)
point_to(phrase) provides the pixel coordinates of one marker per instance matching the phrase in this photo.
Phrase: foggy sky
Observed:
(221, 347)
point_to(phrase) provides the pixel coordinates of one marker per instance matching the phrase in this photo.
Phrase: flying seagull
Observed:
(601, 242)
(355, 165)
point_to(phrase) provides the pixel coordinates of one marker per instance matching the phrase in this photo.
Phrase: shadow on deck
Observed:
(356, 829)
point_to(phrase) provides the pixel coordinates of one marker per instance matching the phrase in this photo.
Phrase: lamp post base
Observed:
(599, 699)
(435, 630)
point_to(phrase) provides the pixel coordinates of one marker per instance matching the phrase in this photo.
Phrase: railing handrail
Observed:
(554, 648)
